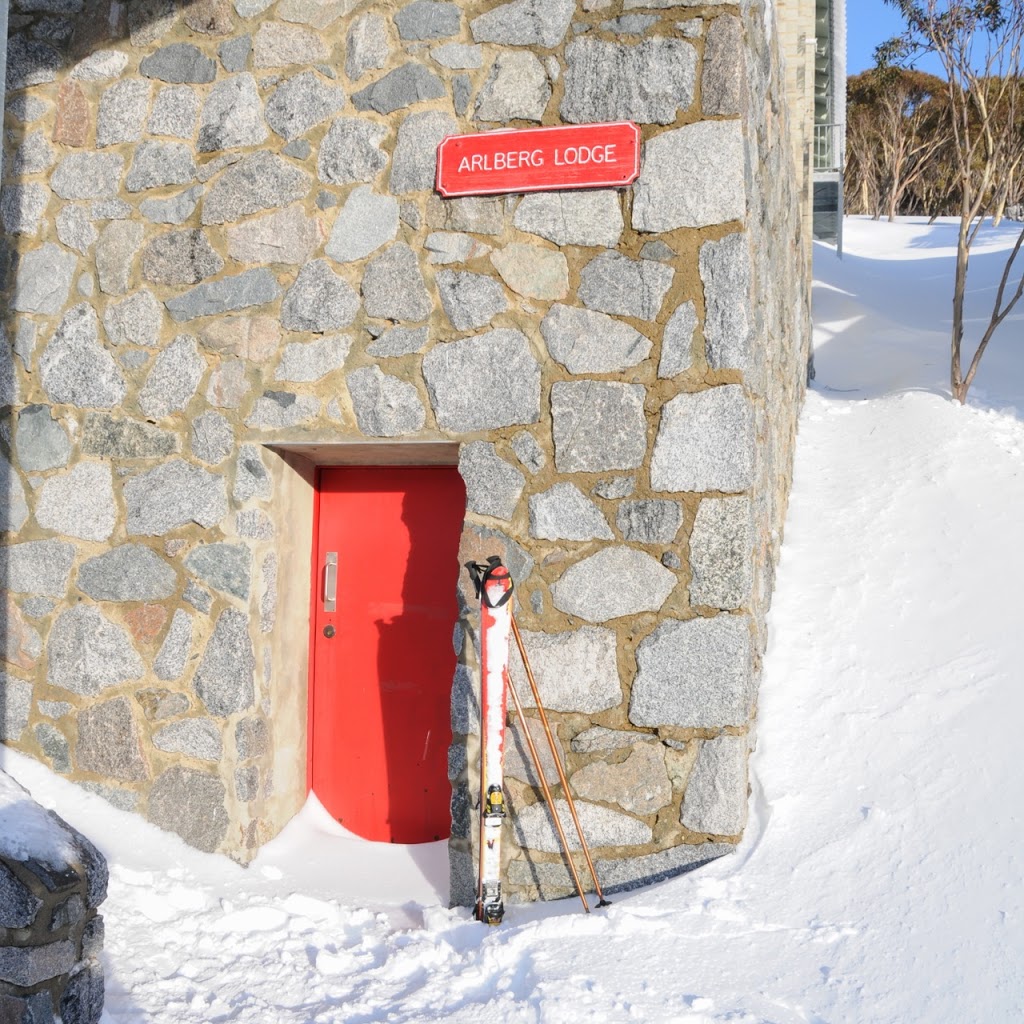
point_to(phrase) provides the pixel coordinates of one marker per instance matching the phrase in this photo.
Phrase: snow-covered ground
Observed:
(880, 880)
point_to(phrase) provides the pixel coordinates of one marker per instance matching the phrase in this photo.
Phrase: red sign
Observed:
(539, 159)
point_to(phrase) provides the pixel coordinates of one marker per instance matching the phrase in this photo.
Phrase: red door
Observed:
(385, 606)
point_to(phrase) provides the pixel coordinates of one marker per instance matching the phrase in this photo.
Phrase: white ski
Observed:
(494, 587)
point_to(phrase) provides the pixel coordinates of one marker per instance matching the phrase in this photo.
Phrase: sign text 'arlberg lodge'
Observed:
(539, 159)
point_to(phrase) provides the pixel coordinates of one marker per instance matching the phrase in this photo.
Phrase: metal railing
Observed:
(828, 147)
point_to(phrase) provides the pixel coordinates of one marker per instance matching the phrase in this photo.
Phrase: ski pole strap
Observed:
(482, 574)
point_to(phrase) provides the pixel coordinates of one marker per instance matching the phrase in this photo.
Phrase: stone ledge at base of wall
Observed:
(52, 882)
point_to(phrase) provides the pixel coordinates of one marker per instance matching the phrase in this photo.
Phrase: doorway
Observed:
(384, 609)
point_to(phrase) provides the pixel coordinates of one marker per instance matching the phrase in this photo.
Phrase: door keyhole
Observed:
(329, 632)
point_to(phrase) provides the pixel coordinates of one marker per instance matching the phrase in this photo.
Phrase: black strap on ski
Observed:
(481, 574)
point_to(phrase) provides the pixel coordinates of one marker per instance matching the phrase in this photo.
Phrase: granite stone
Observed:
(692, 177)
(174, 113)
(614, 582)
(705, 442)
(534, 829)
(366, 46)
(86, 653)
(597, 740)
(234, 53)
(233, 114)
(286, 236)
(78, 503)
(650, 521)
(350, 151)
(260, 181)
(225, 567)
(178, 63)
(722, 553)
(563, 512)
(15, 708)
(241, 291)
(640, 784)
(43, 280)
(399, 341)
(22, 207)
(528, 451)
(404, 87)
(194, 737)
(485, 382)
(308, 362)
(122, 112)
(224, 679)
(716, 795)
(280, 410)
(174, 651)
(116, 438)
(525, 23)
(385, 406)
(129, 572)
(157, 164)
(458, 56)
(470, 300)
(174, 378)
(427, 19)
(319, 300)
(302, 103)
(584, 341)
(252, 479)
(598, 425)
(75, 229)
(726, 274)
(517, 88)
(37, 567)
(481, 215)
(650, 82)
(445, 247)
(366, 222)
(170, 496)
(572, 218)
(677, 341)
(532, 271)
(277, 45)
(190, 803)
(493, 486)
(722, 82)
(393, 286)
(180, 257)
(414, 164)
(174, 209)
(40, 441)
(116, 251)
(75, 369)
(109, 743)
(87, 175)
(100, 66)
(696, 674)
(613, 283)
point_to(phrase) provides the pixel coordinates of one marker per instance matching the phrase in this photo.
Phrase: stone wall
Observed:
(52, 881)
(227, 263)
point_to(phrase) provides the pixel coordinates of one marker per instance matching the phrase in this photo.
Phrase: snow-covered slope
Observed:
(880, 879)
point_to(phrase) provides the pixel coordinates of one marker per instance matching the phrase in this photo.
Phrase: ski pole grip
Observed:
(481, 574)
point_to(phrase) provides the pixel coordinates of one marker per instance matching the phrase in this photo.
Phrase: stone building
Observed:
(232, 296)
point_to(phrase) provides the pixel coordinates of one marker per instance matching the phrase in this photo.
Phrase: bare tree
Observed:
(979, 45)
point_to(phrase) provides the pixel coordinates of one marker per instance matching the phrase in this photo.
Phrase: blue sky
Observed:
(868, 23)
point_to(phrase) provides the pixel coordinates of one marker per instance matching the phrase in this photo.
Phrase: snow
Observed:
(27, 832)
(879, 880)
